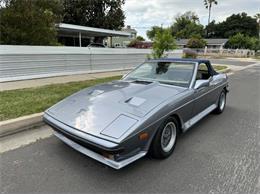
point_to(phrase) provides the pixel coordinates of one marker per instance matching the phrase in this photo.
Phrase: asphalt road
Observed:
(218, 155)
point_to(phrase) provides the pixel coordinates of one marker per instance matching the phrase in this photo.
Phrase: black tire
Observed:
(221, 107)
(156, 148)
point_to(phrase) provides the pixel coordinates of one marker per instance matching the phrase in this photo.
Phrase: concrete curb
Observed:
(20, 124)
(226, 70)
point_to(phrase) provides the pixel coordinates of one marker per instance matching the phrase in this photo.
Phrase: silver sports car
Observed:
(119, 122)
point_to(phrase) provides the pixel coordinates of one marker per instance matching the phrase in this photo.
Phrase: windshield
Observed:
(174, 73)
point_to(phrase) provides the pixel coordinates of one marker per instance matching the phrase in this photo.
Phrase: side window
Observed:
(203, 72)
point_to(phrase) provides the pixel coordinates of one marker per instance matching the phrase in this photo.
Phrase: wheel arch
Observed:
(179, 121)
(225, 89)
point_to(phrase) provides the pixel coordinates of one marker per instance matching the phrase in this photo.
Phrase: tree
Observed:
(140, 38)
(29, 22)
(95, 13)
(196, 42)
(240, 41)
(189, 15)
(163, 41)
(208, 4)
(151, 33)
(212, 30)
(186, 26)
(236, 23)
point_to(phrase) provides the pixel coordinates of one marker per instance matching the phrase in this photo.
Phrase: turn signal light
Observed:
(109, 156)
(143, 136)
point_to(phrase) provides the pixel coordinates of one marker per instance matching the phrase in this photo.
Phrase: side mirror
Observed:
(201, 83)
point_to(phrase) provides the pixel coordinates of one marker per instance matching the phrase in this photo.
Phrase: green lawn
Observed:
(219, 67)
(21, 102)
(216, 67)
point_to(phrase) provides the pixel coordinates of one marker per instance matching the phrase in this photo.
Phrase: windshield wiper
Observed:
(168, 83)
(173, 84)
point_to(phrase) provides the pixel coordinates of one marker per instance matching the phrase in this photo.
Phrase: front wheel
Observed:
(221, 103)
(165, 139)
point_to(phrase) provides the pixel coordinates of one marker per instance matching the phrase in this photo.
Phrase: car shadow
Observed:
(213, 118)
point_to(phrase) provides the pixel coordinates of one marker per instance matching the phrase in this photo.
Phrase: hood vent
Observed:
(135, 101)
(142, 82)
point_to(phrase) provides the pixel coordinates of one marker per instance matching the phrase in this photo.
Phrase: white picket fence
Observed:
(30, 62)
(224, 52)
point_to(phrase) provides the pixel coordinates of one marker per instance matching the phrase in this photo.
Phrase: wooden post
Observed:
(80, 39)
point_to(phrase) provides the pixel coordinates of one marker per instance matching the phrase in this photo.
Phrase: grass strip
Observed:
(21, 102)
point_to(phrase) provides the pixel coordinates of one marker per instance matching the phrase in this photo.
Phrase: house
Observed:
(122, 41)
(82, 36)
(211, 43)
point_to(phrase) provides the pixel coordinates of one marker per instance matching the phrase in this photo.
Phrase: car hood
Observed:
(109, 110)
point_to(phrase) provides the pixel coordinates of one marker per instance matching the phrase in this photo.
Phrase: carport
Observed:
(82, 35)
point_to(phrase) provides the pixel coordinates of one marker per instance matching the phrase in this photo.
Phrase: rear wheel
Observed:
(165, 139)
(221, 103)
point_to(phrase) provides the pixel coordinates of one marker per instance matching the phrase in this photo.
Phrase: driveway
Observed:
(218, 155)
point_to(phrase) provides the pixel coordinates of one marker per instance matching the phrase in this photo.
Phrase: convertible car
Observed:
(119, 122)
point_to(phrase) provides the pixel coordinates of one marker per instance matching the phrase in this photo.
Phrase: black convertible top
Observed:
(204, 61)
(180, 60)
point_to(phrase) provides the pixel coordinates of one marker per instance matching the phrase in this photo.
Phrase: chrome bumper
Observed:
(98, 157)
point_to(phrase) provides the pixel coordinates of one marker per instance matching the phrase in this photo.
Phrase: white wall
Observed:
(28, 62)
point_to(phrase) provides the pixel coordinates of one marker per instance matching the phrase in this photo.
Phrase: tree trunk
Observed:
(208, 20)
(209, 13)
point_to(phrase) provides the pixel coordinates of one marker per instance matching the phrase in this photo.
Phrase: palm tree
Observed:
(257, 17)
(208, 4)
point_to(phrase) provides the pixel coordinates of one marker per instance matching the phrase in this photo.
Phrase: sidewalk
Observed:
(55, 80)
(244, 59)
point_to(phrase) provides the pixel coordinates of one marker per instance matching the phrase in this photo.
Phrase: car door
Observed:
(203, 96)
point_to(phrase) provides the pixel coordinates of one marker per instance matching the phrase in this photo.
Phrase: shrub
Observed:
(133, 43)
(188, 53)
(241, 41)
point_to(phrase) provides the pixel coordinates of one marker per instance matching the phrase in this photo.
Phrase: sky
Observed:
(143, 14)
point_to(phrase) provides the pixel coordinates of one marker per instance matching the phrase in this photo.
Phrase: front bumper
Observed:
(99, 157)
(92, 146)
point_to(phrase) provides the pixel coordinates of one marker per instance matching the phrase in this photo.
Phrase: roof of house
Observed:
(209, 41)
(91, 31)
(129, 29)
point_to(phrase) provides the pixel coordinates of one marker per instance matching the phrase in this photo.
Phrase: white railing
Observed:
(30, 62)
